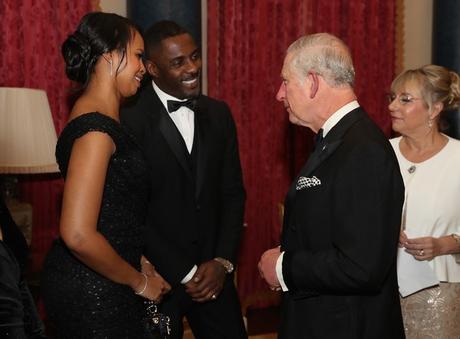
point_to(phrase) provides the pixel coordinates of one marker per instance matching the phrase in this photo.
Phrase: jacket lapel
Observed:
(172, 136)
(200, 140)
(329, 145)
(331, 142)
(321, 153)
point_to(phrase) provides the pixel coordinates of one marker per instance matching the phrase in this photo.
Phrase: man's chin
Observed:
(193, 94)
(293, 119)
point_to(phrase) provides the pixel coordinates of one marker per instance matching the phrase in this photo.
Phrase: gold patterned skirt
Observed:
(433, 313)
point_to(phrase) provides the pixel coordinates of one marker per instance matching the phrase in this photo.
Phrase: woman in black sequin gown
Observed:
(92, 283)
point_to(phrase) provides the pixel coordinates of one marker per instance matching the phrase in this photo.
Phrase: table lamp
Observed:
(27, 144)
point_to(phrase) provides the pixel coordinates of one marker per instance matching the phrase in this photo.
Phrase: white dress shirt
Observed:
(184, 119)
(328, 125)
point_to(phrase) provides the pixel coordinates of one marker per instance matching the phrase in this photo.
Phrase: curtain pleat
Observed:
(246, 45)
(31, 35)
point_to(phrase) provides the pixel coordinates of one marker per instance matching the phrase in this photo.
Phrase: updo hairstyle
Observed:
(97, 33)
(437, 84)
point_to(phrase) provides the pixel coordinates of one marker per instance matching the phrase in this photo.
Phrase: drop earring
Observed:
(111, 66)
(430, 123)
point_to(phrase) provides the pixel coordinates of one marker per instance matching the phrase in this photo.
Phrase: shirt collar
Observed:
(339, 114)
(164, 97)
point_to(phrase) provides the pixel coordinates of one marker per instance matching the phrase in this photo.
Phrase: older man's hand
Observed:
(267, 267)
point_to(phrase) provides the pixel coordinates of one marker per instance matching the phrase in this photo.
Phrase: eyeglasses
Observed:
(403, 99)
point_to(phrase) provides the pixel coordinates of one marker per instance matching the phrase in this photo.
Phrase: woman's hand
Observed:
(147, 267)
(426, 248)
(402, 238)
(157, 287)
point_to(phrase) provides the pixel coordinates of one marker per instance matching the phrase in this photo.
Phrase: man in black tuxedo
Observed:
(197, 195)
(337, 260)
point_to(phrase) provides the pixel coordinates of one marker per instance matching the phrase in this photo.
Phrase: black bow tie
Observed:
(318, 139)
(174, 105)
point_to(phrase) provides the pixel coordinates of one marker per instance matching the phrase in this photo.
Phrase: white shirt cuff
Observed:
(190, 275)
(279, 272)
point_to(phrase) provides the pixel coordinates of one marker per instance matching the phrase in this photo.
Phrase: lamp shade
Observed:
(27, 133)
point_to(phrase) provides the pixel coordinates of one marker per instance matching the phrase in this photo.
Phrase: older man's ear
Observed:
(314, 80)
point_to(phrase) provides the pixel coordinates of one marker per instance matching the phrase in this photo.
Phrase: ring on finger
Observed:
(421, 252)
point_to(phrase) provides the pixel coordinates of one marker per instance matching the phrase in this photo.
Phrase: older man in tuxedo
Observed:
(197, 196)
(337, 261)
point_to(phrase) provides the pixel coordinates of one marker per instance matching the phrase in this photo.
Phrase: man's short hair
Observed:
(326, 55)
(160, 31)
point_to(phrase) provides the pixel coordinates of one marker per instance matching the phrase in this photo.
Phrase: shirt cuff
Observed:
(279, 272)
(190, 275)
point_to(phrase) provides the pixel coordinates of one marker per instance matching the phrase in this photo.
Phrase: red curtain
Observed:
(246, 45)
(31, 34)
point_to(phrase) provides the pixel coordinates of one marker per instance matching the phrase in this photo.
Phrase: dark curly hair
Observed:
(97, 33)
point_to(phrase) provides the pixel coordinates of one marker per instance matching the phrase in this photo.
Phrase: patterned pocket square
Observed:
(305, 182)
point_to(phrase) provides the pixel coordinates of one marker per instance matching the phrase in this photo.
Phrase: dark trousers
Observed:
(216, 319)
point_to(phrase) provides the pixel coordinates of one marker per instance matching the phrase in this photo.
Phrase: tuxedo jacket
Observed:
(340, 236)
(197, 202)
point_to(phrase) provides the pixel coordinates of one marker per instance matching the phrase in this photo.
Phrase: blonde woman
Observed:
(430, 165)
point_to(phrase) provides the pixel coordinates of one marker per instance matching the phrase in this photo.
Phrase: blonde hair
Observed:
(325, 54)
(437, 84)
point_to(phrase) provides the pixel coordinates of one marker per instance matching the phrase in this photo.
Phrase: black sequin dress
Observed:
(79, 302)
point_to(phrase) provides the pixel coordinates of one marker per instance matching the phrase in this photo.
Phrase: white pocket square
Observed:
(305, 182)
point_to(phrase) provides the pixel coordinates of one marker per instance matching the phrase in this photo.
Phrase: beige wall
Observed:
(114, 6)
(418, 27)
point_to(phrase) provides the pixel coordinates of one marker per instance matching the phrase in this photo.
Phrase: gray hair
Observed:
(324, 54)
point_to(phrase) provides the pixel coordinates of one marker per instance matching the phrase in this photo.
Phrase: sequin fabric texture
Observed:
(433, 313)
(79, 302)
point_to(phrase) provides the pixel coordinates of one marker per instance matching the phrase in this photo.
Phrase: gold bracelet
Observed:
(145, 285)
